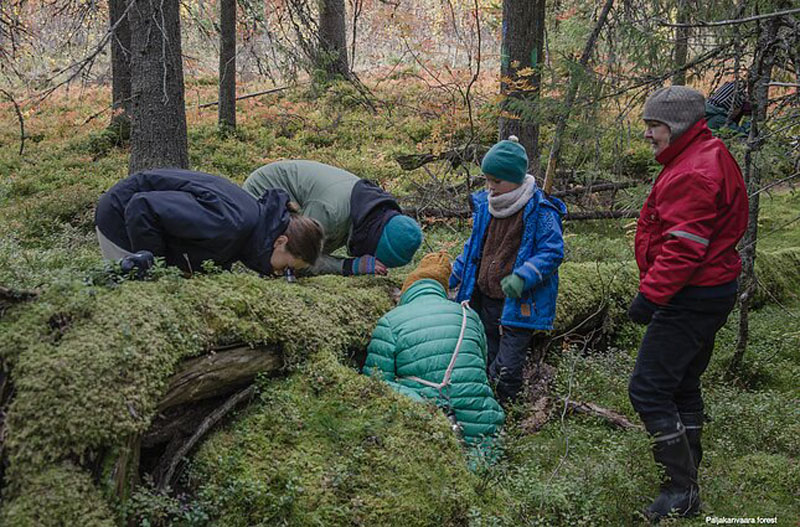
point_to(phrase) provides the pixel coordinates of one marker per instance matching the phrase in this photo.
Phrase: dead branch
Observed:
(19, 118)
(572, 92)
(456, 156)
(207, 424)
(612, 417)
(571, 216)
(246, 96)
(601, 215)
(602, 187)
(734, 21)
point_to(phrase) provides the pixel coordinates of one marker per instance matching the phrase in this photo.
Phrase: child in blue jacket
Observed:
(509, 267)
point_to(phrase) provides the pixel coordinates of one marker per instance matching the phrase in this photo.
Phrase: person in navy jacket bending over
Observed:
(190, 217)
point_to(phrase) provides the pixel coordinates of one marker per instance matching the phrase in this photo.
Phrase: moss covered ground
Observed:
(322, 445)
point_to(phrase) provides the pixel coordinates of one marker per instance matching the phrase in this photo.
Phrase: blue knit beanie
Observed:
(399, 241)
(507, 160)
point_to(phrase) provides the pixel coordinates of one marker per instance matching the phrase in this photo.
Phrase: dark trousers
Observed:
(674, 353)
(507, 347)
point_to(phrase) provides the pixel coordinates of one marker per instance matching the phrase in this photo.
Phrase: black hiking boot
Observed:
(693, 423)
(679, 492)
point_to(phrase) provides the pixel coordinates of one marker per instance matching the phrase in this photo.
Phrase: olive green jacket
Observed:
(323, 193)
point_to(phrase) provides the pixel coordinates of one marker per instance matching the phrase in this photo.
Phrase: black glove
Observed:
(139, 262)
(641, 310)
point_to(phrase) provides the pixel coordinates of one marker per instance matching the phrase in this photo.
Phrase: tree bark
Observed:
(120, 68)
(681, 43)
(760, 77)
(218, 373)
(332, 53)
(227, 65)
(158, 113)
(522, 49)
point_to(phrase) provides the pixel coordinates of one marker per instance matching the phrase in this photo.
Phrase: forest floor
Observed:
(297, 455)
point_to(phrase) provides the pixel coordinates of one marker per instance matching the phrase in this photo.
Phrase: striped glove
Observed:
(362, 265)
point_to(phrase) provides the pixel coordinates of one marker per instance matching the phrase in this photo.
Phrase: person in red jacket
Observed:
(686, 240)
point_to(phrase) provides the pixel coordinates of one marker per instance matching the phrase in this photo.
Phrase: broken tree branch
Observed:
(247, 96)
(207, 424)
(571, 216)
(612, 417)
(19, 118)
(733, 21)
(574, 84)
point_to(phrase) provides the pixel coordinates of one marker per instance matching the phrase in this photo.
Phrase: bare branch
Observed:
(21, 121)
(734, 21)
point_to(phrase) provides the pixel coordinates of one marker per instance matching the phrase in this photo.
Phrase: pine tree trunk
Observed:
(227, 65)
(760, 77)
(120, 67)
(158, 113)
(681, 43)
(332, 55)
(522, 49)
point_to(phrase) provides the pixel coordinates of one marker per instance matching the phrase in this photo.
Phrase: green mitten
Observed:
(513, 286)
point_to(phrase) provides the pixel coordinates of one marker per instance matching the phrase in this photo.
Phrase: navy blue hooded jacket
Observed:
(190, 217)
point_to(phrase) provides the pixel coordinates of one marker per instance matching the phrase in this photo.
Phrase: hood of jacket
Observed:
(272, 222)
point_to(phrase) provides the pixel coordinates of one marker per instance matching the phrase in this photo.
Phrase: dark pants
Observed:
(674, 353)
(507, 347)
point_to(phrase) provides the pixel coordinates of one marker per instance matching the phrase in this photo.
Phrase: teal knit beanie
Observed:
(506, 160)
(399, 241)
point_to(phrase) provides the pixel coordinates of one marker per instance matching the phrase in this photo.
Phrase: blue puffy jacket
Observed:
(540, 253)
(189, 217)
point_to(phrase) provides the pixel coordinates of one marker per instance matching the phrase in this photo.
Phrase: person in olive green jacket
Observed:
(431, 348)
(354, 212)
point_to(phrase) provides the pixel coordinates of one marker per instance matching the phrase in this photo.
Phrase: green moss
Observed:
(61, 495)
(331, 447)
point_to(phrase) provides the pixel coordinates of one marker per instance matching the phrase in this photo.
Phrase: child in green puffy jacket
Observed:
(431, 348)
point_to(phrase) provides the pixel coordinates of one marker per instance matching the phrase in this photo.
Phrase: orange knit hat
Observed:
(433, 265)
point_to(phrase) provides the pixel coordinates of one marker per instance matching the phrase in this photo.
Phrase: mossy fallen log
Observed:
(93, 366)
(96, 379)
(217, 373)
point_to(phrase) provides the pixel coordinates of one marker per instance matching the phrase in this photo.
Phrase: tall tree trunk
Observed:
(522, 49)
(332, 54)
(760, 77)
(120, 68)
(227, 65)
(158, 113)
(681, 43)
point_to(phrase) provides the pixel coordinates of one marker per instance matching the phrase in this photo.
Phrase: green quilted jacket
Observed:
(417, 339)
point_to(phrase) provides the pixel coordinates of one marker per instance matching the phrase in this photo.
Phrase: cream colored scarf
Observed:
(510, 203)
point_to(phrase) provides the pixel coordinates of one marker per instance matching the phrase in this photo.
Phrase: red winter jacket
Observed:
(693, 218)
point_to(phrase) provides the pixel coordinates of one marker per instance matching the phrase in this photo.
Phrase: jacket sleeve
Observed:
(381, 352)
(457, 274)
(327, 264)
(548, 250)
(688, 212)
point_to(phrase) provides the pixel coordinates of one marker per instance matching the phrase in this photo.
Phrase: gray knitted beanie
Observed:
(678, 107)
